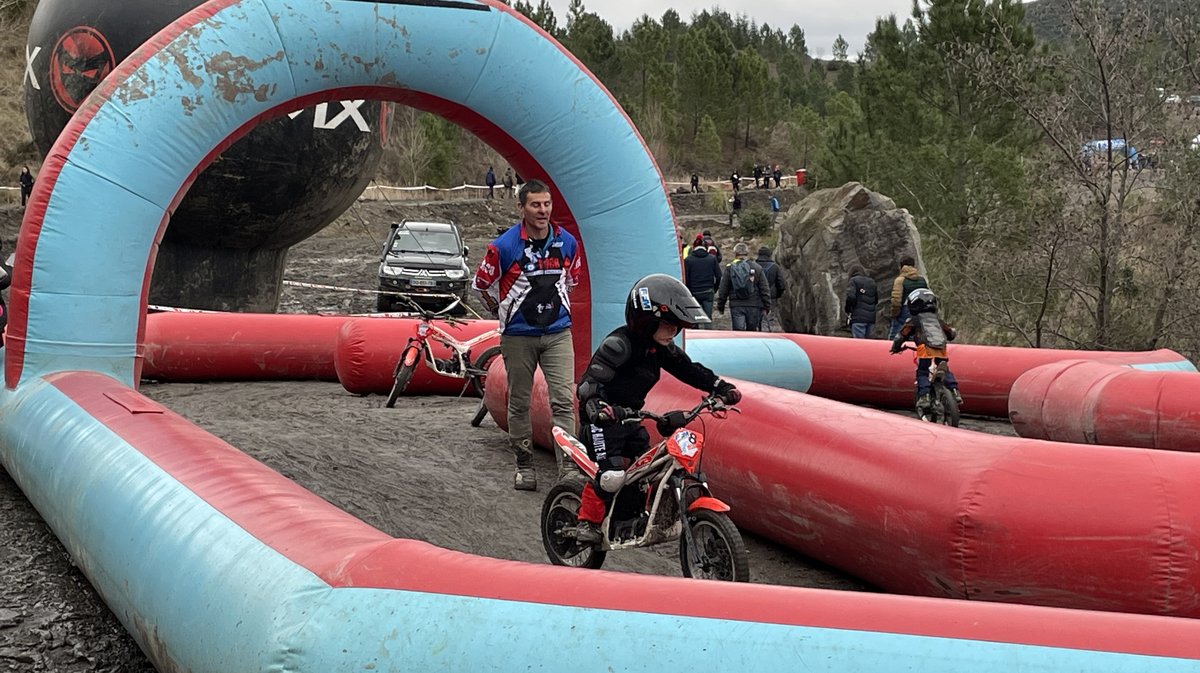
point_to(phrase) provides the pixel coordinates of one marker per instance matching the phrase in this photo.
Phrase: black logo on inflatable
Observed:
(79, 61)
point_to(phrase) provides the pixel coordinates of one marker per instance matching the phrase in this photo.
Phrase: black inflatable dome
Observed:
(281, 183)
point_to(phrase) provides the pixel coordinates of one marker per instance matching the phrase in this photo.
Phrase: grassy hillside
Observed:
(1051, 19)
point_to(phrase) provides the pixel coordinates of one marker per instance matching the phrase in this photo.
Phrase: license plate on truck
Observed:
(422, 282)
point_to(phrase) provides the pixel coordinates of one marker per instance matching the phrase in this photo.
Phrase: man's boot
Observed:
(525, 478)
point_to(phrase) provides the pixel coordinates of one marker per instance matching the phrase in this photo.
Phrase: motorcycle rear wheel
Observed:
(720, 552)
(401, 377)
(560, 511)
(950, 414)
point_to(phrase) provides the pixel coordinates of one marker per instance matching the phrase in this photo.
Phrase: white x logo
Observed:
(29, 58)
(349, 109)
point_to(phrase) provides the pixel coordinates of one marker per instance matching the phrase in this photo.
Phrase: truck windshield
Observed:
(430, 242)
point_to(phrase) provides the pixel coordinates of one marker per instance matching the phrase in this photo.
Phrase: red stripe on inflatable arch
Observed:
(346, 552)
(31, 224)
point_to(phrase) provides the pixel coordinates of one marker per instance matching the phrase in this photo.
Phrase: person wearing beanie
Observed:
(744, 288)
(702, 275)
(775, 284)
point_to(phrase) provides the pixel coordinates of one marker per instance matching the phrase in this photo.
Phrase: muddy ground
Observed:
(417, 471)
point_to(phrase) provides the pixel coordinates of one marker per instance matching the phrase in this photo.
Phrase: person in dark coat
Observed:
(775, 284)
(861, 299)
(490, 181)
(26, 185)
(702, 275)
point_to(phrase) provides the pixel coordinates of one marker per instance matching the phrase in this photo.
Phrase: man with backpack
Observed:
(744, 287)
(774, 282)
(908, 280)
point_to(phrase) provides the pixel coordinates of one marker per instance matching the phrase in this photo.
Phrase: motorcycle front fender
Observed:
(708, 502)
(411, 353)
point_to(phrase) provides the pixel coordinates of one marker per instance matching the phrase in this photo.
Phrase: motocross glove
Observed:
(897, 346)
(727, 392)
(608, 414)
(670, 423)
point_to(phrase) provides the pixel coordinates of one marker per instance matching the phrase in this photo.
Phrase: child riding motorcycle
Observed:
(619, 376)
(931, 334)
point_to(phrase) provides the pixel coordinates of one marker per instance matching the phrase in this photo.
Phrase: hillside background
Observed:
(973, 114)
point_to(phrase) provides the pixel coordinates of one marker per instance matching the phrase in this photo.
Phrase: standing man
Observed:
(695, 183)
(775, 284)
(26, 185)
(508, 183)
(524, 279)
(702, 275)
(490, 181)
(909, 279)
(861, 299)
(744, 287)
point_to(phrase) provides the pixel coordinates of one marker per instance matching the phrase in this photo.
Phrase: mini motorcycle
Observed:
(664, 497)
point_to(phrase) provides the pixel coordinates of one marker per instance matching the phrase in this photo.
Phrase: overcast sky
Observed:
(822, 20)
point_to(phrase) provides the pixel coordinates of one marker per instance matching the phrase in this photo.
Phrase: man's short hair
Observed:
(533, 186)
(908, 261)
(741, 249)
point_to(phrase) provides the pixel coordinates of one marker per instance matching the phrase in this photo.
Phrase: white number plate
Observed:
(422, 282)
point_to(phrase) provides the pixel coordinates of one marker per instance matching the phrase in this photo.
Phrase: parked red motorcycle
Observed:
(665, 497)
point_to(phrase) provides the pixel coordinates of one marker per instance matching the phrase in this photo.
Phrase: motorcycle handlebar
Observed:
(426, 314)
(707, 403)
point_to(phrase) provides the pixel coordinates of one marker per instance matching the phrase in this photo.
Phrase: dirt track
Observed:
(418, 470)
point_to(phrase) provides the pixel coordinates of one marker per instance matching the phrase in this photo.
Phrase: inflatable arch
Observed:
(215, 563)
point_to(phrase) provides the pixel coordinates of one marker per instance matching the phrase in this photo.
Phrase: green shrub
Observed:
(755, 222)
(716, 201)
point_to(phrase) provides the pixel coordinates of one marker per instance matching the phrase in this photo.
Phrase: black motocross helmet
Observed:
(922, 300)
(659, 297)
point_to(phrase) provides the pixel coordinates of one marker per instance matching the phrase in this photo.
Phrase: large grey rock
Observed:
(822, 236)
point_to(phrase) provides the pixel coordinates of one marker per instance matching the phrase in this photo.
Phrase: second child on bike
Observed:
(932, 336)
(621, 373)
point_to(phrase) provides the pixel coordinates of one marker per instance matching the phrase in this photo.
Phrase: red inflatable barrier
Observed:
(367, 350)
(862, 371)
(240, 346)
(929, 510)
(1101, 403)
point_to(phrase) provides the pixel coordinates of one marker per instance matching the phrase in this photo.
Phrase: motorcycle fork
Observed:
(677, 487)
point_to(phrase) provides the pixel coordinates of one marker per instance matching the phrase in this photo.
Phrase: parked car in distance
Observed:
(1094, 152)
(426, 262)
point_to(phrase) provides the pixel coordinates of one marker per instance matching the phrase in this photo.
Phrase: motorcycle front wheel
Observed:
(560, 514)
(478, 382)
(719, 554)
(401, 377)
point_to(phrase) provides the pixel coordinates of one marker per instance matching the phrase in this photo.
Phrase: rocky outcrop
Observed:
(822, 236)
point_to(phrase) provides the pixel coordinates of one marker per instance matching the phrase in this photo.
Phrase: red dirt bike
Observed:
(459, 365)
(665, 497)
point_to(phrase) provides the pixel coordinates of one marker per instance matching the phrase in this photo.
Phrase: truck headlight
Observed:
(389, 270)
(455, 274)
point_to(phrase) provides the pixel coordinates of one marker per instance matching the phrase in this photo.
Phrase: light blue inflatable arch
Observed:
(215, 563)
(127, 157)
